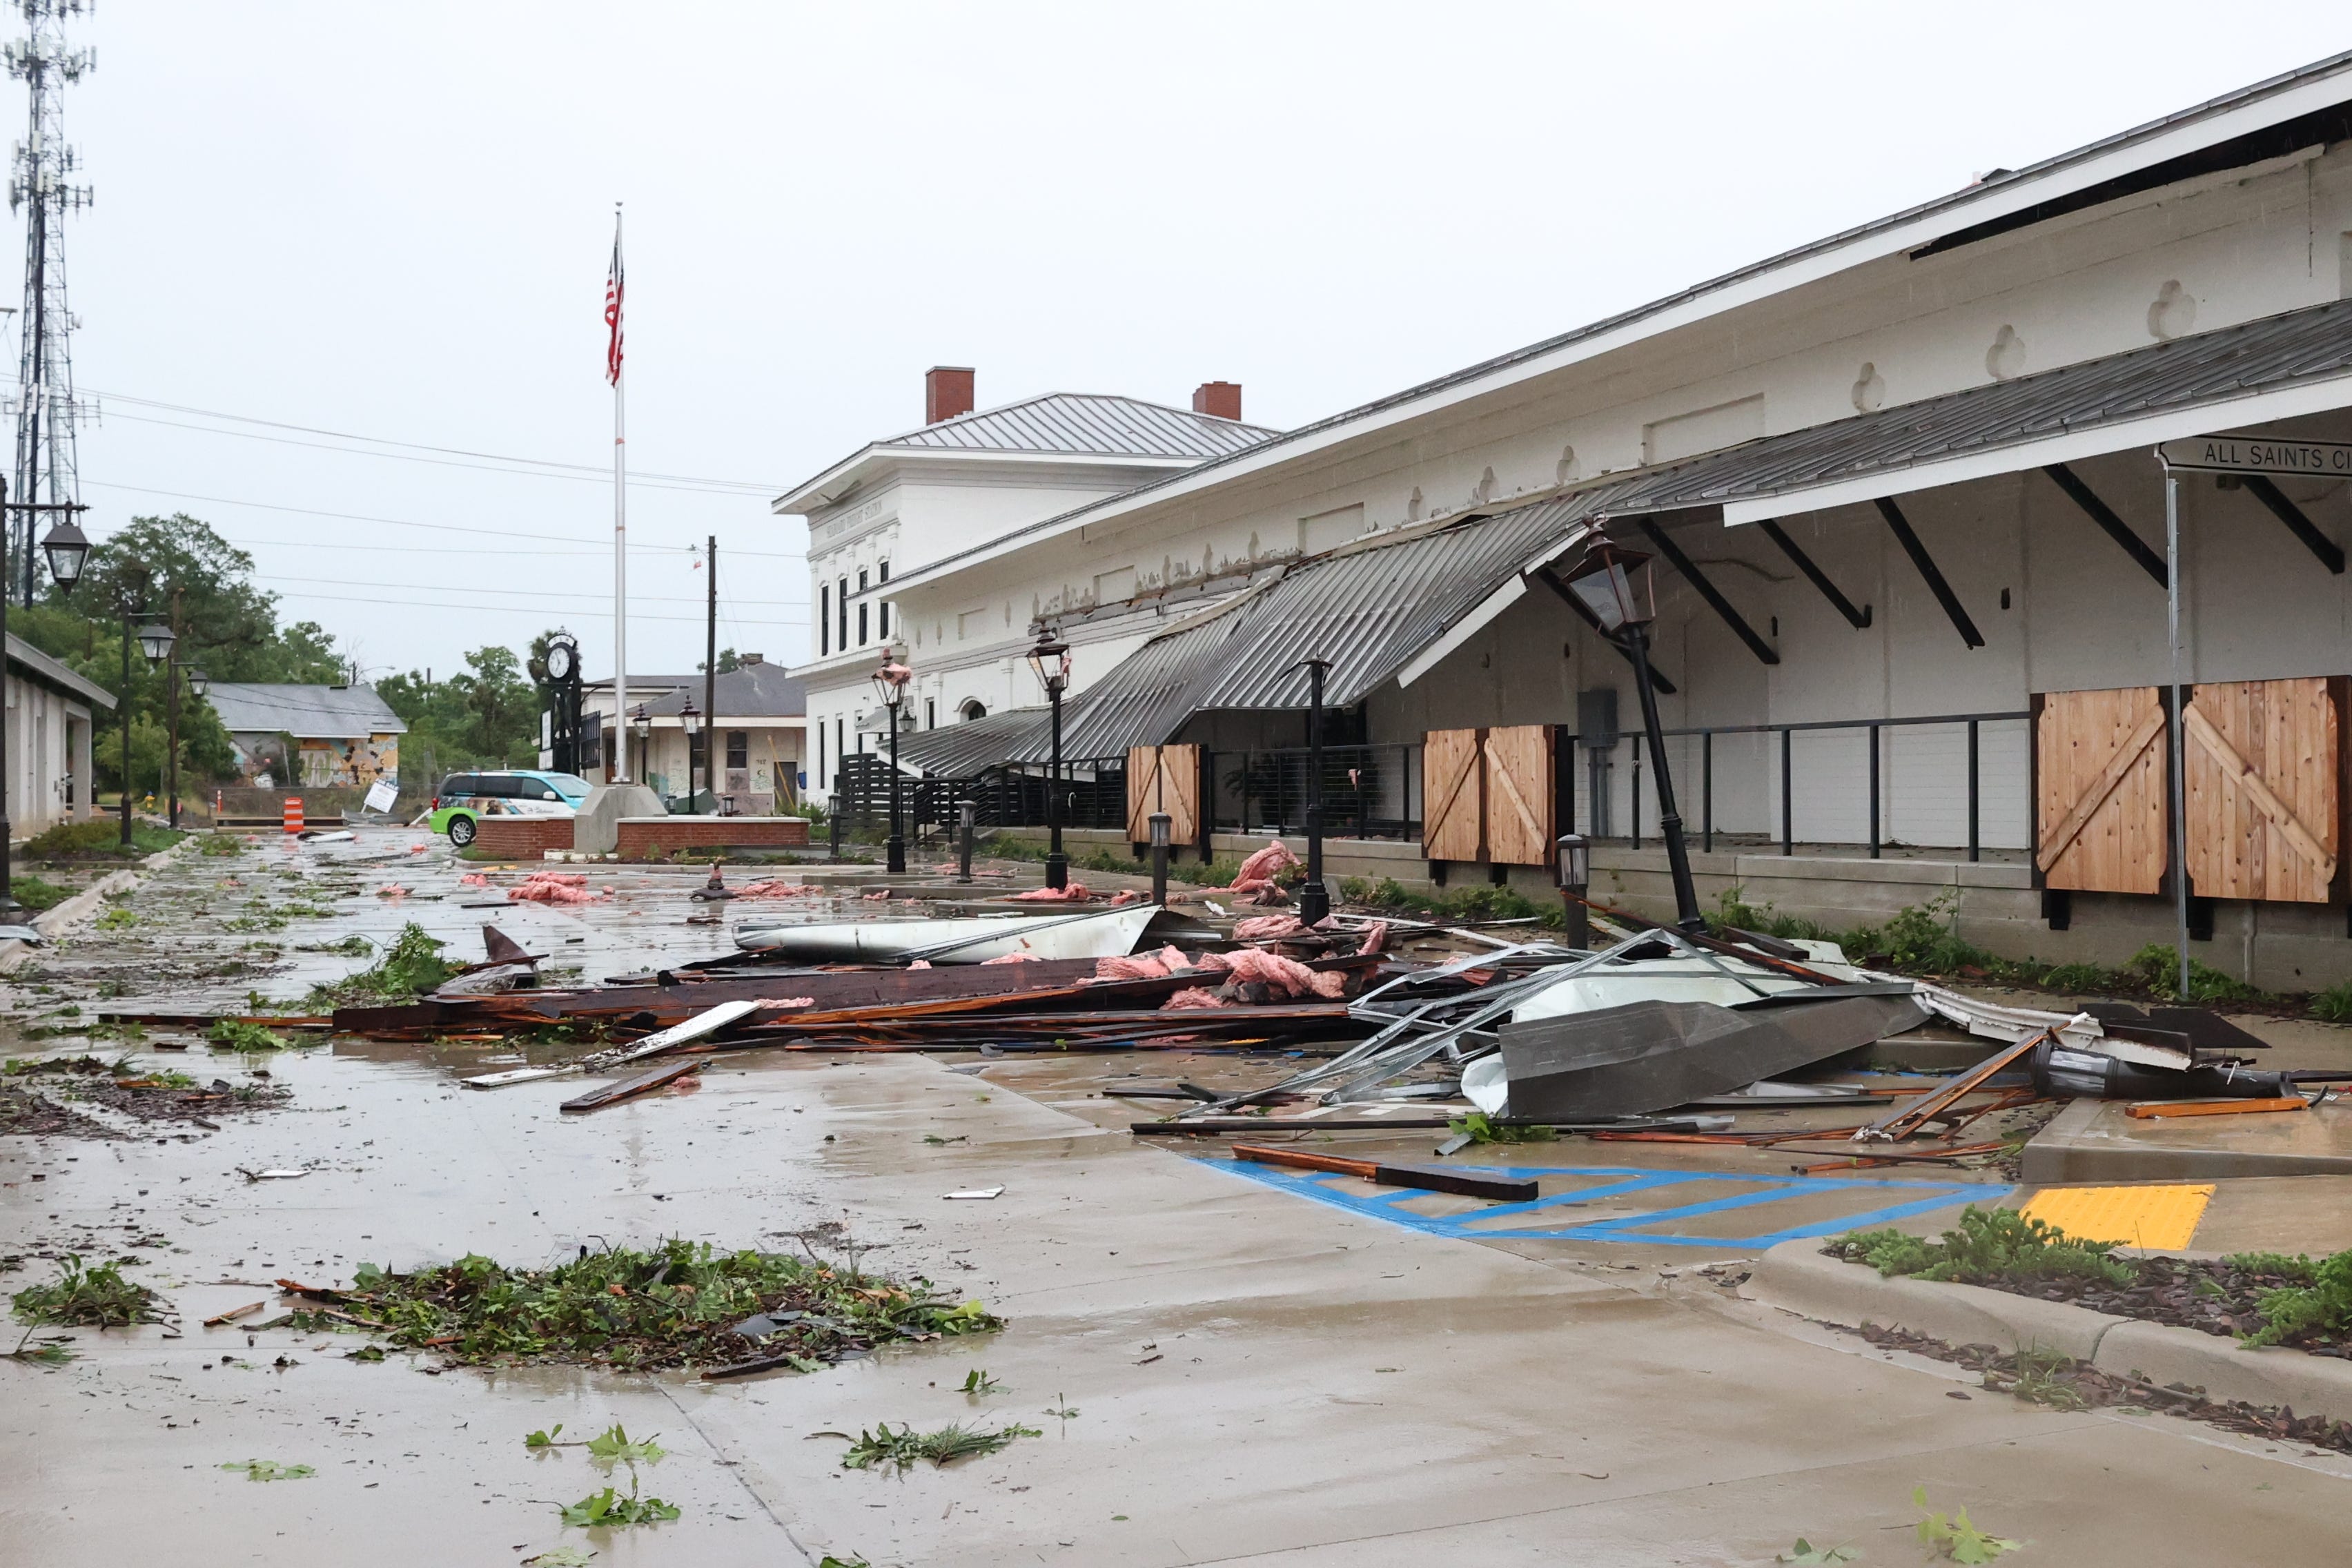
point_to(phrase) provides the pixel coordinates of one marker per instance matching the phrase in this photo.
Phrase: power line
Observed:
(604, 615)
(755, 486)
(587, 478)
(509, 593)
(436, 527)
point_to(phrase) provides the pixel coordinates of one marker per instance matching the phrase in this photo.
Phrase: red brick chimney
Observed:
(1219, 399)
(947, 392)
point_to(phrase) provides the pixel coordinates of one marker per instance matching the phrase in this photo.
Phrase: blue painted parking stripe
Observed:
(1914, 1197)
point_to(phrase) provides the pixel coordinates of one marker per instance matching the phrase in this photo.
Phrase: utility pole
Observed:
(46, 410)
(710, 685)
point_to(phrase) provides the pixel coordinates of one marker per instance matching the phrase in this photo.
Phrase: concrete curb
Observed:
(51, 922)
(1795, 1277)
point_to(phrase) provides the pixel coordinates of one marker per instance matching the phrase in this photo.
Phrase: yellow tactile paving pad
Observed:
(2136, 1217)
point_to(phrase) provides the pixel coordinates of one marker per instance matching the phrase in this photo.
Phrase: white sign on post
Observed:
(381, 794)
(2258, 454)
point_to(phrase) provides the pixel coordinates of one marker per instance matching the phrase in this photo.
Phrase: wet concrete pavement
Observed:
(1255, 1376)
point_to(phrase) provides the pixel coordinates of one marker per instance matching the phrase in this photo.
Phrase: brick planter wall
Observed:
(521, 838)
(640, 836)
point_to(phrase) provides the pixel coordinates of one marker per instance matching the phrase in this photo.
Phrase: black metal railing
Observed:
(1874, 728)
(1369, 792)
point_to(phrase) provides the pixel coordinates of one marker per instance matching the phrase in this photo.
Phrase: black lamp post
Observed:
(198, 684)
(1050, 659)
(890, 686)
(156, 640)
(641, 724)
(1605, 585)
(1315, 896)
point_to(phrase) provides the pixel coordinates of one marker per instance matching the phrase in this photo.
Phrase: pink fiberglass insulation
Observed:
(1012, 958)
(1193, 998)
(1143, 967)
(1069, 895)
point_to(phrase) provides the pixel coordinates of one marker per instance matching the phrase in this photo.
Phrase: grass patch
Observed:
(904, 1446)
(99, 838)
(1989, 1247)
(1193, 873)
(411, 965)
(37, 893)
(1457, 904)
(90, 1297)
(674, 1305)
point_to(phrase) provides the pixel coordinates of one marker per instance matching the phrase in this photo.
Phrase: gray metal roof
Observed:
(31, 661)
(760, 690)
(960, 750)
(1368, 609)
(1089, 425)
(2207, 369)
(1956, 203)
(305, 712)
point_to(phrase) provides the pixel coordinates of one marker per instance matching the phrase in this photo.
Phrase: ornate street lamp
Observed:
(641, 724)
(1050, 660)
(890, 686)
(68, 549)
(1624, 604)
(690, 718)
(156, 641)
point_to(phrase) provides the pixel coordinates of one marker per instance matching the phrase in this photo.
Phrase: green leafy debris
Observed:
(904, 1446)
(235, 1035)
(977, 1382)
(1956, 1538)
(411, 965)
(98, 1298)
(603, 1509)
(1811, 1556)
(271, 1470)
(1479, 1127)
(675, 1304)
(2323, 1305)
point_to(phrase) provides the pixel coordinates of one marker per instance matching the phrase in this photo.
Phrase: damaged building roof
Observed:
(305, 712)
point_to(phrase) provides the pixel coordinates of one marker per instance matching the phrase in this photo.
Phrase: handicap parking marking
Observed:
(1899, 1200)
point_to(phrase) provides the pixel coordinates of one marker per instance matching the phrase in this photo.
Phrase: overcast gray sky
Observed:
(393, 221)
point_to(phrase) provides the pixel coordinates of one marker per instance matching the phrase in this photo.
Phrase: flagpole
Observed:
(620, 529)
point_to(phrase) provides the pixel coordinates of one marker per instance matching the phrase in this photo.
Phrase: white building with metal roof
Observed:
(904, 503)
(1901, 489)
(50, 714)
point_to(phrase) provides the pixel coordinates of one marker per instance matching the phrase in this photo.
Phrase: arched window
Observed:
(973, 709)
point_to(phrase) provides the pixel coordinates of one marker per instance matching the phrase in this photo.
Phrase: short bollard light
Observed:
(1575, 882)
(1160, 824)
(967, 818)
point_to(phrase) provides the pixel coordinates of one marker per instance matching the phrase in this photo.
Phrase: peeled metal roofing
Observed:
(960, 750)
(2208, 368)
(1368, 611)
(1089, 425)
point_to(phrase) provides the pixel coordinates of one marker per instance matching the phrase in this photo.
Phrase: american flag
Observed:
(612, 314)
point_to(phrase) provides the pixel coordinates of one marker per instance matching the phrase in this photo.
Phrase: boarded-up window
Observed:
(2099, 790)
(2261, 790)
(1487, 794)
(1163, 778)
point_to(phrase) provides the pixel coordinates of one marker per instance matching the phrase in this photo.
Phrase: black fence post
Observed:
(1874, 793)
(1788, 800)
(1637, 792)
(1972, 790)
(1706, 791)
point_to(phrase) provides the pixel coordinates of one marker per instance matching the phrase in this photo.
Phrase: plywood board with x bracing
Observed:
(1163, 778)
(2099, 790)
(1453, 794)
(2262, 784)
(1518, 762)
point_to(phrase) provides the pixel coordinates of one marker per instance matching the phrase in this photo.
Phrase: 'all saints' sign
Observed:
(2258, 454)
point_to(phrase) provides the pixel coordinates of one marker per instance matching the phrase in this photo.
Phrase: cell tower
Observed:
(42, 180)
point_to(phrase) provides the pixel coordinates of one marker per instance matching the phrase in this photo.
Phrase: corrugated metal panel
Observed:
(2207, 369)
(1367, 610)
(1090, 425)
(960, 750)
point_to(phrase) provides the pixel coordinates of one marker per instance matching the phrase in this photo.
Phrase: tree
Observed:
(728, 660)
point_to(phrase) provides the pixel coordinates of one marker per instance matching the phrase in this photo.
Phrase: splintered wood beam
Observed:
(1552, 579)
(2100, 512)
(1711, 594)
(2330, 555)
(1901, 528)
(1858, 619)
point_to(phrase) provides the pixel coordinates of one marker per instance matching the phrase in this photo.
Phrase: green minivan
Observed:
(464, 799)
